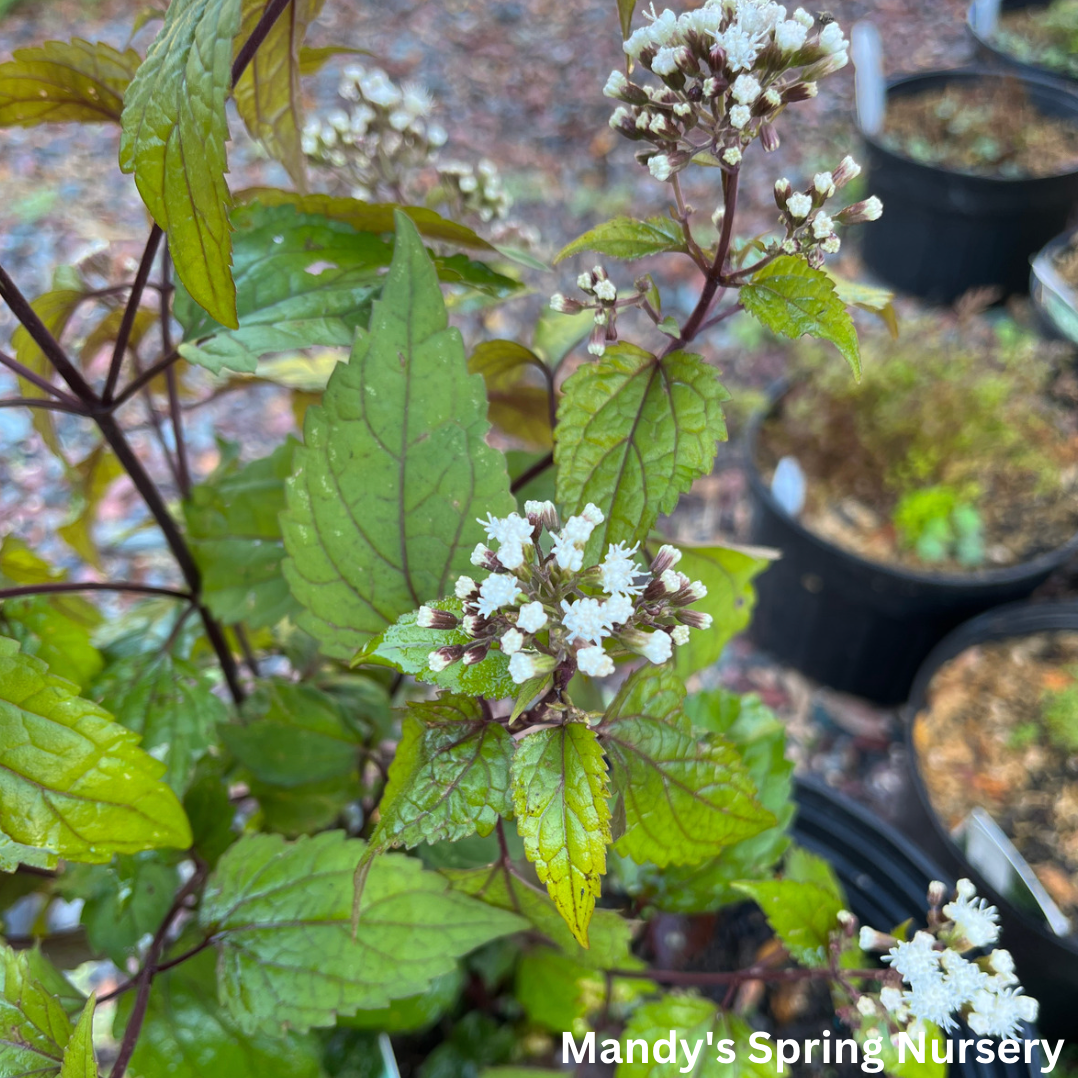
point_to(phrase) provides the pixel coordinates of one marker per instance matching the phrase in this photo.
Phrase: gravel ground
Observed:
(520, 82)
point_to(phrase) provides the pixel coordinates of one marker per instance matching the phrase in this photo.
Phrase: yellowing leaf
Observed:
(73, 780)
(268, 96)
(64, 81)
(633, 432)
(174, 132)
(90, 480)
(518, 394)
(383, 502)
(560, 800)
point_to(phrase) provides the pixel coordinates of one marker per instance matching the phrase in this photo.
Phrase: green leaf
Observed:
(560, 800)
(376, 217)
(803, 907)
(414, 1012)
(302, 280)
(866, 297)
(517, 390)
(79, 1060)
(64, 81)
(697, 1021)
(312, 58)
(90, 480)
(634, 432)
(235, 536)
(13, 854)
(268, 95)
(727, 572)
(169, 703)
(625, 15)
(790, 297)
(556, 992)
(174, 132)
(449, 777)
(122, 902)
(307, 808)
(34, 1029)
(556, 335)
(292, 734)
(54, 982)
(72, 780)
(684, 797)
(382, 507)
(628, 238)
(282, 916)
(187, 1034)
(609, 934)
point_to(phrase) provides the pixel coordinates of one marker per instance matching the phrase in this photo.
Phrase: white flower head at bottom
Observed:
(522, 666)
(532, 617)
(594, 661)
(1001, 1014)
(498, 590)
(659, 648)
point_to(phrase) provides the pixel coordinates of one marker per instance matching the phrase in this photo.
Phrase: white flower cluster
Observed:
(544, 609)
(809, 227)
(384, 131)
(602, 298)
(936, 983)
(475, 189)
(726, 70)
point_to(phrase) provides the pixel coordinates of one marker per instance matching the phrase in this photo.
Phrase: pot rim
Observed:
(1007, 574)
(1005, 622)
(1067, 89)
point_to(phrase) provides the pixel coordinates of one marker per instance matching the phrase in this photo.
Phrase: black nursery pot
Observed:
(1054, 300)
(1047, 964)
(943, 233)
(987, 52)
(860, 626)
(885, 878)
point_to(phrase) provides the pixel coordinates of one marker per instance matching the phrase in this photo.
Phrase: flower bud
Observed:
(621, 89)
(564, 305)
(667, 557)
(870, 939)
(465, 587)
(716, 58)
(475, 653)
(731, 156)
(695, 619)
(443, 657)
(799, 91)
(871, 209)
(937, 894)
(823, 184)
(428, 617)
(847, 170)
(783, 190)
(525, 665)
(769, 137)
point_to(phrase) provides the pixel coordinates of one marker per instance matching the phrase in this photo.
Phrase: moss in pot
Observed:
(953, 453)
(1042, 35)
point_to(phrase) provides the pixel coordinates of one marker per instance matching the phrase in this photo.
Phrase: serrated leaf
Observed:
(557, 993)
(449, 777)
(282, 915)
(407, 647)
(382, 506)
(866, 297)
(634, 432)
(628, 238)
(697, 1021)
(169, 703)
(34, 1029)
(414, 1012)
(560, 800)
(268, 96)
(302, 280)
(378, 217)
(187, 1034)
(517, 390)
(79, 1060)
(609, 934)
(174, 132)
(790, 297)
(72, 780)
(802, 907)
(235, 536)
(727, 572)
(685, 797)
(64, 81)
(292, 734)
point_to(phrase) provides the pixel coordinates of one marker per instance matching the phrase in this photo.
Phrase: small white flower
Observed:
(620, 569)
(665, 62)
(558, 303)
(963, 979)
(831, 245)
(522, 666)
(848, 169)
(512, 641)
(568, 554)
(872, 209)
(1001, 1015)
(974, 919)
(594, 662)
(832, 39)
(745, 89)
(804, 18)
(464, 587)
(584, 282)
(731, 155)
(683, 108)
(437, 661)
(680, 634)
(870, 939)
(592, 514)
(437, 135)
(668, 555)
(616, 85)
(740, 116)
(671, 581)
(866, 1006)
(824, 183)
(917, 959)
(585, 619)
(799, 206)
(1001, 963)
(741, 48)
(660, 167)
(697, 590)
(471, 624)
(424, 617)
(659, 648)
(416, 99)
(822, 226)
(498, 590)
(790, 34)
(892, 1001)
(773, 97)
(539, 509)
(618, 609)
(480, 555)
(532, 617)
(606, 290)
(930, 1001)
